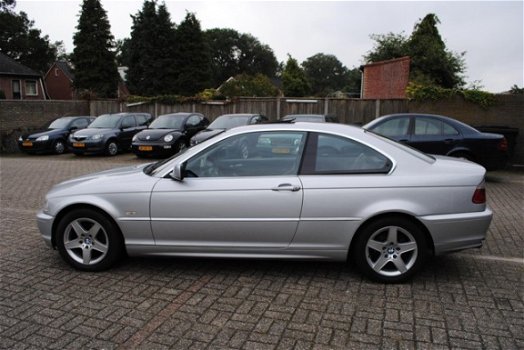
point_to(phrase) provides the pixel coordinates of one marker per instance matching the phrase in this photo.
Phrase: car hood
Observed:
(154, 134)
(38, 133)
(93, 131)
(207, 134)
(113, 181)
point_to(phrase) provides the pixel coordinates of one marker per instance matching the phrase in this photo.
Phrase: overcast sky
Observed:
(491, 32)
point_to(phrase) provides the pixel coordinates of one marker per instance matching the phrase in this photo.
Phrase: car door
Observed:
(340, 178)
(227, 203)
(432, 135)
(128, 129)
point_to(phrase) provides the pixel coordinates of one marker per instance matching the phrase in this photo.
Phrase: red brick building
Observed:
(59, 82)
(18, 82)
(385, 79)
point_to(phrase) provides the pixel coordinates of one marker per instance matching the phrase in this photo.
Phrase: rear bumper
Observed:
(453, 232)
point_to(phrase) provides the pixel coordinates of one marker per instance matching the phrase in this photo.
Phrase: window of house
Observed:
(15, 84)
(31, 88)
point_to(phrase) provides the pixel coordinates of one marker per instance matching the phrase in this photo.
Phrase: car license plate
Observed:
(145, 148)
(79, 144)
(27, 144)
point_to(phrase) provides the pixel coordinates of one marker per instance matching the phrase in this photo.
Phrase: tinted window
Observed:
(393, 127)
(329, 154)
(427, 126)
(167, 122)
(228, 122)
(59, 123)
(106, 121)
(194, 120)
(254, 154)
(128, 122)
(142, 119)
(449, 130)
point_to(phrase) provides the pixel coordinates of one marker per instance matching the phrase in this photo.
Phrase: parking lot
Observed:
(468, 300)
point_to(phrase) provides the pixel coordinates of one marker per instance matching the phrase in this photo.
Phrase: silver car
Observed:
(298, 191)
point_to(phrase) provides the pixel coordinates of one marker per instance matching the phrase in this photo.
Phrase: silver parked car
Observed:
(301, 191)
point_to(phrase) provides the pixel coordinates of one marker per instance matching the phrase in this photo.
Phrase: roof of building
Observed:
(385, 62)
(9, 66)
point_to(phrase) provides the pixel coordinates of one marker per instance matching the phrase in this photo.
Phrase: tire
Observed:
(59, 147)
(390, 249)
(111, 148)
(88, 240)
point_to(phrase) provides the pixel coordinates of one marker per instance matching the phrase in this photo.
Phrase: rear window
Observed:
(414, 152)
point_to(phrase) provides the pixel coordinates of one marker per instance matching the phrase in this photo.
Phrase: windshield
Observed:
(229, 121)
(167, 122)
(106, 121)
(60, 123)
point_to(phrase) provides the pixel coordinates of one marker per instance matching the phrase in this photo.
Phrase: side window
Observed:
(80, 123)
(427, 126)
(393, 127)
(128, 122)
(449, 130)
(253, 154)
(193, 121)
(141, 119)
(330, 154)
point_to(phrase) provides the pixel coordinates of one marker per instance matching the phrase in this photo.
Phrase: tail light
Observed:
(479, 197)
(503, 145)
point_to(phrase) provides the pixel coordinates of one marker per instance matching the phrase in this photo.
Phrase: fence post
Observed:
(278, 107)
(377, 108)
(326, 107)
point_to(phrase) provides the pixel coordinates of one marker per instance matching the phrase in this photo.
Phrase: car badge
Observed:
(148, 137)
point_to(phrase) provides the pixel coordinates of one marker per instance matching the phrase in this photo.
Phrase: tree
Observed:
(248, 85)
(431, 62)
(353, 82)
(93, 57)
(232, 53)
(150, 53)
(294, 81)
(23, 43)
(325, 73)
(192, 58)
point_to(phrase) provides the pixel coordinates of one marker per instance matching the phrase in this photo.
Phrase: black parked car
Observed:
(168, 134)
(53, 138)
(109, 133)
(436, 134)
(225, 122)
(312, 118)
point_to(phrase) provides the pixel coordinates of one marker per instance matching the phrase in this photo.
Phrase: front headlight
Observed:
(43, 138)
(134, 138)
(168, 138)
(192, 142)
(20, 138)
(96, 137)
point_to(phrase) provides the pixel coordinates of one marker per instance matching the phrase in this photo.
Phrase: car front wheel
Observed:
(390, 250)
(88, 240)
(59, 147)
(111, 148)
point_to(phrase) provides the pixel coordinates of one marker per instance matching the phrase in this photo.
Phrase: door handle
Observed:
(286, 187)
(448, 141)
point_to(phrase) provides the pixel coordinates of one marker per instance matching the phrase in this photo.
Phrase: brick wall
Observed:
(59, 87)
(17, 117)
(386, 79)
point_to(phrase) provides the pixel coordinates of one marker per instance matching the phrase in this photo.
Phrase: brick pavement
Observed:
(468, 300)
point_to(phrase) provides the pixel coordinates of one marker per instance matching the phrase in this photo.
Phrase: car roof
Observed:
(179, 114)
(240, 115)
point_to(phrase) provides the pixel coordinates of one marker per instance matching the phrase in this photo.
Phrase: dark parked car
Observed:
(168, 134)
(225, 122)
(53, 138)
(437, 134)
(109, 133)
(312, 118)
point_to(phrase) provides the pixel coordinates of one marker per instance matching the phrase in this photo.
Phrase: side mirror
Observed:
(178, 171)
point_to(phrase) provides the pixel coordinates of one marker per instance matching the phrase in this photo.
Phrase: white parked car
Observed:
(287, 191)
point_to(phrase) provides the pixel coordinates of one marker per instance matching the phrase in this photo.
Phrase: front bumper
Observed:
(157, 149)
(97, 146)
(45, 225)
(454, 232)
(35, 146)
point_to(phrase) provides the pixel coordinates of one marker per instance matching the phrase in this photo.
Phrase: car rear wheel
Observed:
(88, 240)
(390, 249)
(59, 147)
(111, 148)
